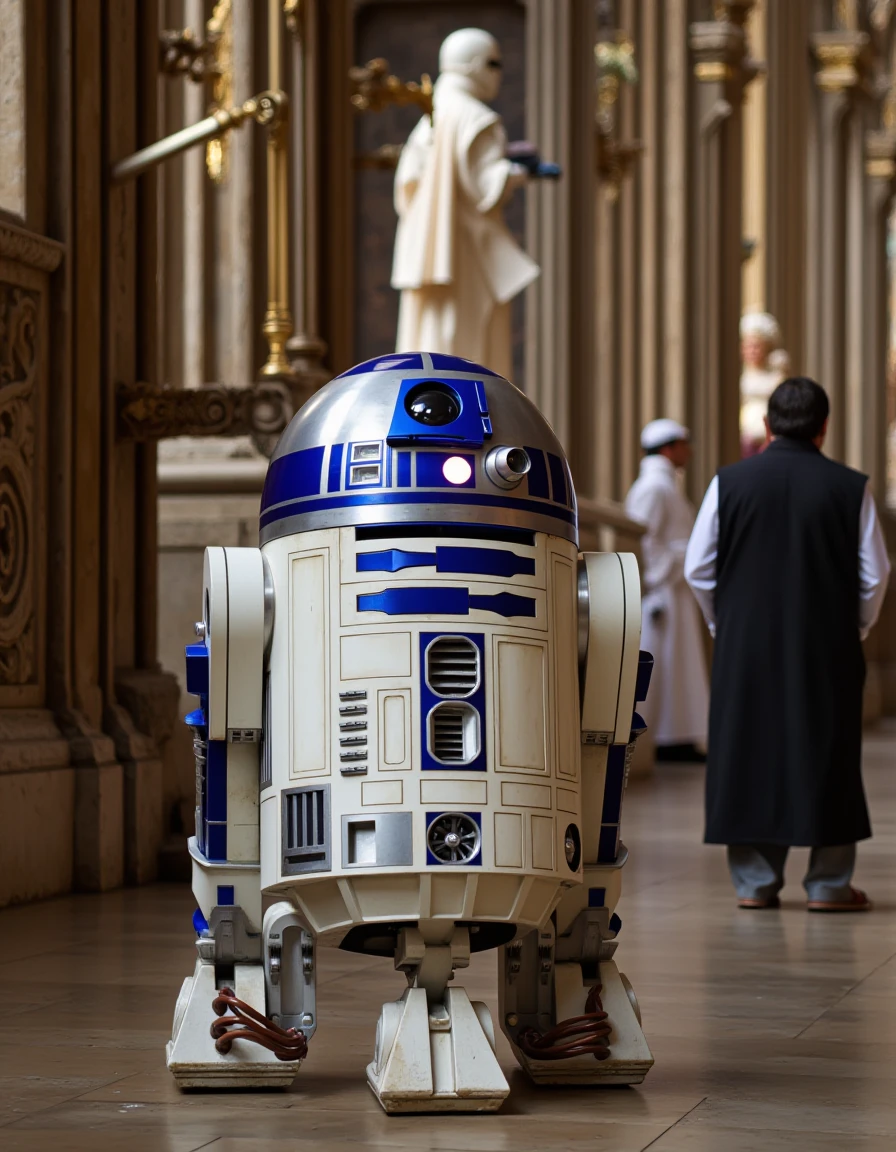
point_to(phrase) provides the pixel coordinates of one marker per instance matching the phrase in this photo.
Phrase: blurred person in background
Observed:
(677, 704)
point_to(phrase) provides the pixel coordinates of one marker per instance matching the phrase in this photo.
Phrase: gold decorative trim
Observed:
(882, 169)
(713, 72)
(29, 248)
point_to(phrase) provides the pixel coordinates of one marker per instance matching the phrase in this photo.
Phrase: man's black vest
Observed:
(786, 711)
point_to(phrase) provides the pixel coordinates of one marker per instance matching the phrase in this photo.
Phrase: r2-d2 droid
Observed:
(416, 716)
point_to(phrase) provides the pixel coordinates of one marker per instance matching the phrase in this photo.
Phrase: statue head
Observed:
(476, 54)
(759, 336)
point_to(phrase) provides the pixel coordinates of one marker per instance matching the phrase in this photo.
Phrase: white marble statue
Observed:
(456, 263)
(765, 365)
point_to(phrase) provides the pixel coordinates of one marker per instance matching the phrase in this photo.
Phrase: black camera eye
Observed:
(433, 403)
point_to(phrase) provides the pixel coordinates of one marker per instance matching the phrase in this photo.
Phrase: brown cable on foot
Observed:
(248, 1024)
(579, 1036)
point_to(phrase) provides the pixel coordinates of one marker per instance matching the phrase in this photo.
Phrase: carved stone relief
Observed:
(18, 324)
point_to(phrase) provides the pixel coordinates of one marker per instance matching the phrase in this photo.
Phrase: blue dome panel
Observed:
(444, 363)
(398, 362)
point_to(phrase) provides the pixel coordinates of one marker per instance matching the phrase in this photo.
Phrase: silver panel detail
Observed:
(381, 840)
(306, 829)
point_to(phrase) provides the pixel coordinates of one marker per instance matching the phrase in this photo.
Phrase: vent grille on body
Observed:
(452, 666)
(306, 829)
(454, 733)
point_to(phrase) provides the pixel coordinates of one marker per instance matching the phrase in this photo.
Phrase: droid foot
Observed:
(438, 1058)
(192, 1056)
(629, 1058)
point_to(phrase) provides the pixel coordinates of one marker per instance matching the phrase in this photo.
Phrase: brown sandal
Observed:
(755, 902)
(858, 902)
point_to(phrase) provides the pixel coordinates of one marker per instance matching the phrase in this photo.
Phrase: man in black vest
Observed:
(788, 563)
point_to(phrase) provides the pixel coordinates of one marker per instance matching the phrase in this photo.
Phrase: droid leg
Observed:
(271, 973)
(435, 1050)
(561, 987)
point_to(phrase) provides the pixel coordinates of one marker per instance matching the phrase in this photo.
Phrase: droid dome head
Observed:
(476, 54)
(419, 438)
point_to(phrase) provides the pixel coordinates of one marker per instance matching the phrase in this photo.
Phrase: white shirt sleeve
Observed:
(703, 550)
(874, 565)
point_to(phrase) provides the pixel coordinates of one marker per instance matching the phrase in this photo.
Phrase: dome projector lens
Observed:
(433, 404)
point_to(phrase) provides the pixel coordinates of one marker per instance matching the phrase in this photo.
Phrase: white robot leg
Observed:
(435, 1049)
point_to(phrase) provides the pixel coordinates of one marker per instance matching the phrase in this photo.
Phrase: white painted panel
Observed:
(542, 841)
(394, 712)
(376, 792)
(380, 654)
(453, 792)
(309, 665)
(525, 795)
(508, 840)
(521, 705)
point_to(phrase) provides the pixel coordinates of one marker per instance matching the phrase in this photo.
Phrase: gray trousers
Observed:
(758, 871)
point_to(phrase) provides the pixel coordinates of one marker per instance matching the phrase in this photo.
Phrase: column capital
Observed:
(880, 154)
(842, 60)
(718, 47)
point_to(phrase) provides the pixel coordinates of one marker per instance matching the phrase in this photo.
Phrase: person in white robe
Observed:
(677, 705)
(455, 262)
(765, 365)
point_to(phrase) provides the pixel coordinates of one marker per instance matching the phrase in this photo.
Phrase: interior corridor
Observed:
(770, 1030)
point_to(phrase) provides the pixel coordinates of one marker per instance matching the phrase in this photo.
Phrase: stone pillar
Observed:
(721, 68)
(840, 60)
(880, 185)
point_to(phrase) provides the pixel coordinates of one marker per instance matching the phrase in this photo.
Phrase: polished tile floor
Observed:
(771, 1030)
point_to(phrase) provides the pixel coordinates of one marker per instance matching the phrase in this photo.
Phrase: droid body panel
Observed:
(396, 692)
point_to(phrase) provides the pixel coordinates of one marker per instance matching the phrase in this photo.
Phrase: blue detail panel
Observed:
(484, 562)
(639, 725)
(197, 670)
(199, 922)
(474, 861)
(216, 799)
(407, 362)
(442, 362)
(217, 842)
(608, 845)
(486, 427)
(429, 699)
(615, 782)
(444, 602)
(404, 470)
(558, 480)
(457, 497)
(645, 671)
(196, 719)
(481, 398)
(225, 896)
(597, 897)
(615, 924)
(465, 430)
(334, 472)
(466, 561)
(293, 476)
(429, 470)
(537, 476)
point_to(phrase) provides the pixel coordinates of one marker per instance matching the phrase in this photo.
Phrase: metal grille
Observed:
(454, 733)
(306, 829)
(453, 838)
(452, 666)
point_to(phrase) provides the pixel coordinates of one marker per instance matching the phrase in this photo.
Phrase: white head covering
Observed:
(658, 433)
(761, 324)
(467, 52)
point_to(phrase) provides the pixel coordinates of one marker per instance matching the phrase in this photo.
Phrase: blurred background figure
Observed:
(456, 263)
(676, 710)
(765, 365)
(789, 564)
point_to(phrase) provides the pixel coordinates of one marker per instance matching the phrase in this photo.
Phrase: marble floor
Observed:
(771, 1030)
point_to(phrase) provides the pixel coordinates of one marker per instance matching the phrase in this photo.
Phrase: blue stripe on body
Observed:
(444, 602)
(457, 496)
(463, 561)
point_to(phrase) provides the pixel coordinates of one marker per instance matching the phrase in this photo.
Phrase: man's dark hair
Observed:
(798, 408)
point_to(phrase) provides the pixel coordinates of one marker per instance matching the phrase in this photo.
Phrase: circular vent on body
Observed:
(452, 666)
(453, 838)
